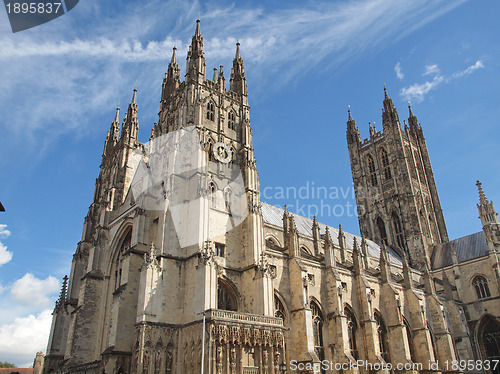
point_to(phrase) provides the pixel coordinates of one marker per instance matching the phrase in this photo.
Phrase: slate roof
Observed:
(274, 216)
(467, 248)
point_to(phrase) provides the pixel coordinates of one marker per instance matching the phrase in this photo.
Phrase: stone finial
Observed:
(482, 197)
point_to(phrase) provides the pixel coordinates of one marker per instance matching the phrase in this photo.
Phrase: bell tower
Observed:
(396, 194)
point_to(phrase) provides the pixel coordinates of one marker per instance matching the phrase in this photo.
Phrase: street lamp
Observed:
(283, 367)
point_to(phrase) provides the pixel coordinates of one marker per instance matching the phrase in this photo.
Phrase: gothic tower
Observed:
(396, 194)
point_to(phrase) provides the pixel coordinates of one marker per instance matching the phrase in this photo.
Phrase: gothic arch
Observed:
(280, 309)
(409, 337)
(273, 239)
(306, 250)
(210, 110)
(398, 229)
(382, 231)
(480, 284)
(352, 327)
(370, 164)
(384, 157)
(383, 337)
(118, 239)
(318, 321)
(488, 339)
(227, 295)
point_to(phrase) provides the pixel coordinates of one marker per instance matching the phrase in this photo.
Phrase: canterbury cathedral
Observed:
(182, 269)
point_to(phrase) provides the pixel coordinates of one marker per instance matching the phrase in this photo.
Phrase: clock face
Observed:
(222, 153)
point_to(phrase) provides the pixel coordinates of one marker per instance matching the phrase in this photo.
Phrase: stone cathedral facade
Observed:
(178, 277)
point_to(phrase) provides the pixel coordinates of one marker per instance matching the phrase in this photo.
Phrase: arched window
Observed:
(228, 199)
(398, 230)
(279, 308)
(317, 318)
(124, 245)
(371, 171)
(383, 342)
(231, 120)
(211, 156)
(385, 164)
(489, 340)
(352, 327)
(481, 285)
(226, 299)
(381, 231)
(210, 111)
(213, 194)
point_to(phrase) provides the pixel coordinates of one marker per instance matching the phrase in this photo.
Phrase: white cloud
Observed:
(5, 255)
(478, 65)
(22, 338)
(431, 70)
(31, 291)
(399, 73)
(417, 91)
(3, 231)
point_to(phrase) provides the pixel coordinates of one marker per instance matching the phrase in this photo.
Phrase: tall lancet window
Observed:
(383, 342)
(398, 230)
(352, 327)
(371, 171)
(385, 164)
(231, 120)
(317, 318)
(381, 231)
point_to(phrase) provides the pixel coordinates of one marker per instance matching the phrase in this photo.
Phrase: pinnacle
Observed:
(386, 96)
(349, 113)
(198, 31)
(117, 115)
(174, 56)
(409, 109)
(238, 54)
(482, 196)
(134, 97)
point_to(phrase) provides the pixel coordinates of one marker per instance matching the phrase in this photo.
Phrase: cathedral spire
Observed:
(195, 66)
(238, 82)
(487, 212)
(130, 127)
(412, 119)
(352, 130)
(172, 79)
(390, 116)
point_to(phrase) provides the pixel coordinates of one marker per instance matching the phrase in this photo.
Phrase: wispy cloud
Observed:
(431, 70)
(5, 255)
(68, 78)
(399, 73)
(418, 91)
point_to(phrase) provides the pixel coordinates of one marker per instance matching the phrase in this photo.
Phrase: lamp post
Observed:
(283, 367)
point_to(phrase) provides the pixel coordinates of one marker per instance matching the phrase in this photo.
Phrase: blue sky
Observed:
(305, 62)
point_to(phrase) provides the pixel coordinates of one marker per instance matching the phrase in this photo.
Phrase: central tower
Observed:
(396, 195)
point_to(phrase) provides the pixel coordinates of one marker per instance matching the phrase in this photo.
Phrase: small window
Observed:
(279, 309)
(231, 121)
(220, 249)
(352, 326)
(317, 318)
(213, 195)
(481, 285)
(210, 111)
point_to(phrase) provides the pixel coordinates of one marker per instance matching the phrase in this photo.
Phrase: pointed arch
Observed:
(488, 339)
(480, 284)
(398, 230)
(210, 150)
(383, 338)
(381, 230)
(318, 322)
(280, 310)
(384, 157)
(212, 190)
(352, 327)
(371, 171)
(226, 295)
(231, 120)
